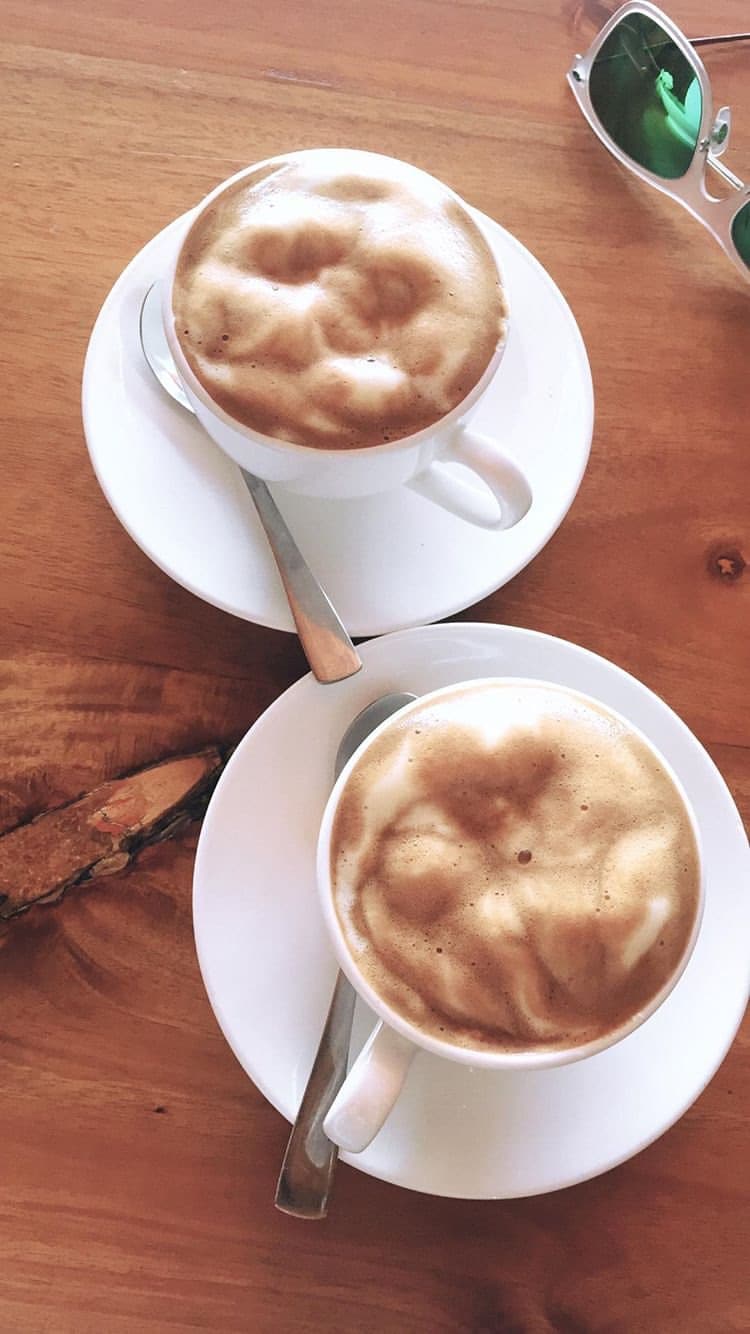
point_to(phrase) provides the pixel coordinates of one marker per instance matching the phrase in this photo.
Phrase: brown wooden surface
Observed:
(138, 1163)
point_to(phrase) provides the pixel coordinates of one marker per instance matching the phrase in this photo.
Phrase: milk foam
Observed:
(337, 299)
(514, 869)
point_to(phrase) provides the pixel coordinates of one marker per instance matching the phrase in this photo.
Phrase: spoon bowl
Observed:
(156, 348)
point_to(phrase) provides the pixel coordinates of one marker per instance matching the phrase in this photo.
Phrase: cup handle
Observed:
(511, 492)
(369, 1090)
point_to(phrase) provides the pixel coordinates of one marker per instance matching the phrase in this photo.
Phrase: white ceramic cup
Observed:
(376, 1078)
(416, 461)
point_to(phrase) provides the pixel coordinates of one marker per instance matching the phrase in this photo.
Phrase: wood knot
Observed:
(725, 562)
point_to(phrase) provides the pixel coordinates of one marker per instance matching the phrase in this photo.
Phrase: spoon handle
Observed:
(327, 646)
(309, 1164)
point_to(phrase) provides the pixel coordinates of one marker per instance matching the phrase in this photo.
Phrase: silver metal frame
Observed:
(690, 190)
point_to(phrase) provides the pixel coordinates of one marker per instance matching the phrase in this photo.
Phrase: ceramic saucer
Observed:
(269, 971)
(387, 562)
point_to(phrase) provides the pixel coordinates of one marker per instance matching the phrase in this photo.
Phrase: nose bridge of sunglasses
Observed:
(720, 131)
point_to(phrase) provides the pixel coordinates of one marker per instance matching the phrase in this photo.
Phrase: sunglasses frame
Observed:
(690, 190)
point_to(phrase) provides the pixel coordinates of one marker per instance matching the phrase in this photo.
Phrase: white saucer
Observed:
(269, 971)
(387, 562)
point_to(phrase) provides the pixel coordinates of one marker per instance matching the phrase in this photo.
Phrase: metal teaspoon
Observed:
(306, 1176)
(327, 646)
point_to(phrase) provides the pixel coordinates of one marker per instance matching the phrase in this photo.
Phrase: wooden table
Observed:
(138, 1162)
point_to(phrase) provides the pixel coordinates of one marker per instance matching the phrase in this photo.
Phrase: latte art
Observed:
(514, 869)
(337, 299)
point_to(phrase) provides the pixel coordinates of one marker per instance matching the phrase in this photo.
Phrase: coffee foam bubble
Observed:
(514, 869)
(337, 299)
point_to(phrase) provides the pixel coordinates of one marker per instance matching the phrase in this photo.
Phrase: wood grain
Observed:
(138, 1162)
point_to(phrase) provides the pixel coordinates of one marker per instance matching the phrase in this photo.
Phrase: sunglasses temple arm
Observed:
(724, 172)
(714, 41)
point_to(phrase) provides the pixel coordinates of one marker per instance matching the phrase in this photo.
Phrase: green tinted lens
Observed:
(647, 96)
(741, 233)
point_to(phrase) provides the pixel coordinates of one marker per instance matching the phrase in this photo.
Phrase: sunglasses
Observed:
(645, 92)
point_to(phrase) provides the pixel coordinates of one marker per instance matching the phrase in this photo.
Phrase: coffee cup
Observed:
(336, 316)
(510, 874)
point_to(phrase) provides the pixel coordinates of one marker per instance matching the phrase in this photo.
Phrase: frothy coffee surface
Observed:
(513, 869)
(337, 299)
